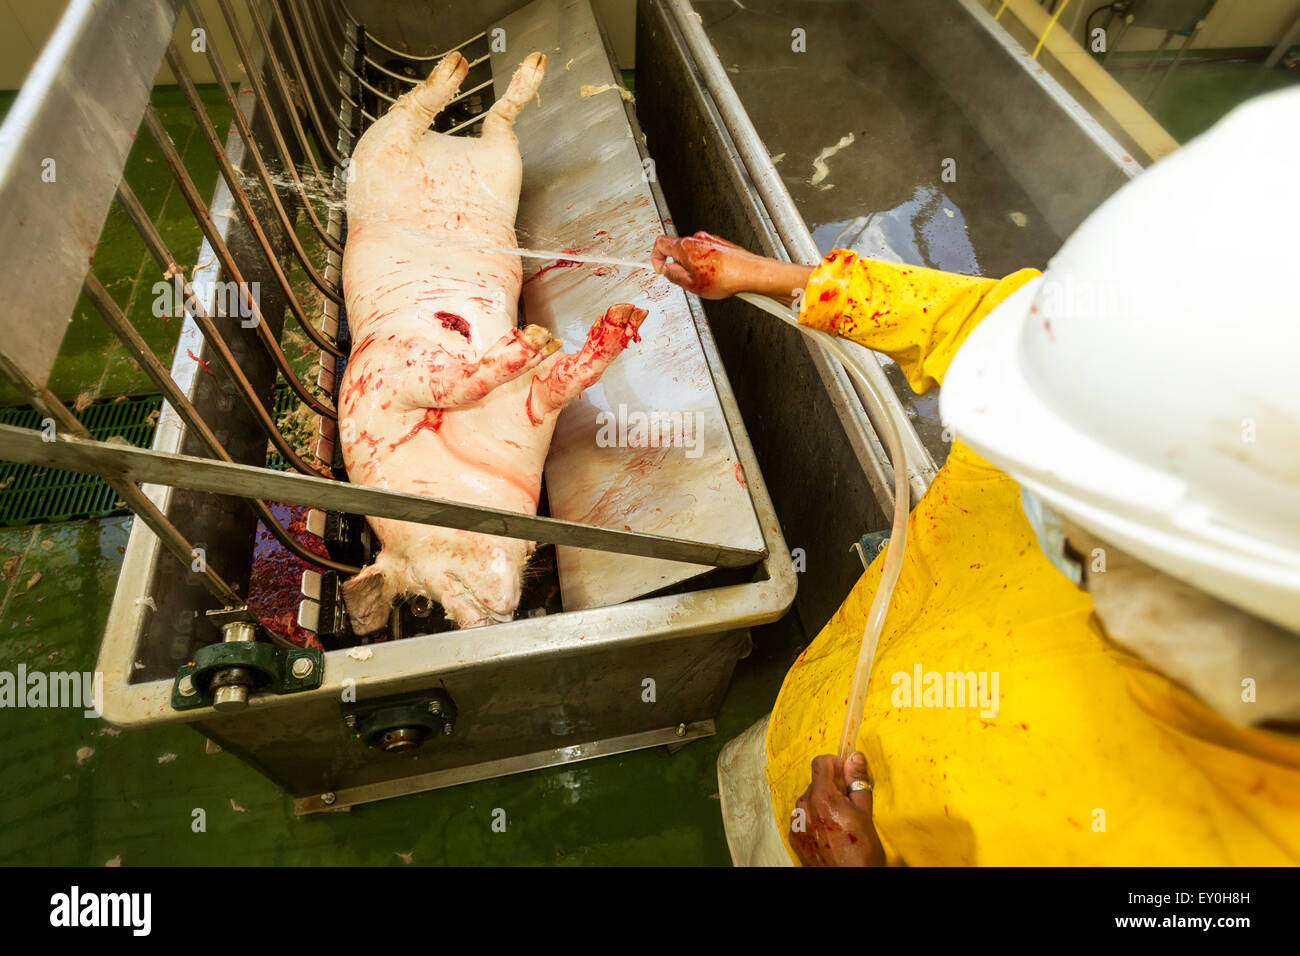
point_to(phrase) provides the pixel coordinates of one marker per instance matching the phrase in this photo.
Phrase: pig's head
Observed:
(477, 579)
(477, 582)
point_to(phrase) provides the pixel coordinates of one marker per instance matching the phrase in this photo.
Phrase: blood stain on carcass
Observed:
(432, 421)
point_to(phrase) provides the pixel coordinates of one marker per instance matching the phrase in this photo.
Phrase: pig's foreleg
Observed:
(450, 381)
(574, 372)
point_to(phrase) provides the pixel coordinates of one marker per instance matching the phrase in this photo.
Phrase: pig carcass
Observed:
(443, 394)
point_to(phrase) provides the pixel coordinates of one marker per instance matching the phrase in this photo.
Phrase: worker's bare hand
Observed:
(707, 265)
(714, 268)
(834, 828)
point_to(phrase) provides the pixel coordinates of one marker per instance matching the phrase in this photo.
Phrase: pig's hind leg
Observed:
(572, 373)
(500, 120)
(451, 381)
(415, 110)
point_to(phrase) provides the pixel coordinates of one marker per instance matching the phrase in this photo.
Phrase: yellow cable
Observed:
(998, 15)
(1050, 23)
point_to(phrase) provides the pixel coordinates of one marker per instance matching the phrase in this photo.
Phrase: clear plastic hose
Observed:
(898, 536)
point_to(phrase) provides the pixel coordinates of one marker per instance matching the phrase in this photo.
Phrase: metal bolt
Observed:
(435, 707)
(681, 730)
(328, 798)
(187, 687)
(302, 668)
(447, 729)
(351, 721)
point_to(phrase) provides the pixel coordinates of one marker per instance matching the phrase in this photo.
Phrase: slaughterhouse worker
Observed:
(1142, 396)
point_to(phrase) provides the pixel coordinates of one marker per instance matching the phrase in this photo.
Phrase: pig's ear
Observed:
(367, 599)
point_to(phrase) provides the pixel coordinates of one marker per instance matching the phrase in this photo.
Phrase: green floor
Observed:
(74, 791)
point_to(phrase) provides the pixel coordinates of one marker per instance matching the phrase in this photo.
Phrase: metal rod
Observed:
(380, 68)
(282, 86)
(144, 355)
(26, 446)
(1178, 58)
(382, 95)
(232, 178)
(327, 41)
(472, 90)
(254, 223)
(468, 123)
(1164, 42)
(434, 58)
(190, 194)
(311, 61)
(372, 39)
(457, 99)
(286, 157)
(141, 504)
(308, 92)
(330, 12)
(1289, 39)
(154, 241)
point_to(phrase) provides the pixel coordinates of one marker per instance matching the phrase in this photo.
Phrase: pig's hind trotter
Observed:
(523, 87)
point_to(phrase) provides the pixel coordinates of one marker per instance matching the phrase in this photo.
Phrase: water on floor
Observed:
(873, 152)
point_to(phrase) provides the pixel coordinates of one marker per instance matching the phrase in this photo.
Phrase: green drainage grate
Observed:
(30, 494)
(285, 402)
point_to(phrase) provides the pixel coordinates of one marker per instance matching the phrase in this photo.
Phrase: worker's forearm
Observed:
(781, 280)
(918, 317)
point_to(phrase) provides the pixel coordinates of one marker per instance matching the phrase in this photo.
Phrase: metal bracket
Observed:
(281, 670)
(227, 615)
(402, 723)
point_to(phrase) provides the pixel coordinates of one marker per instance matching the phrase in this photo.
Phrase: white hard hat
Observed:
(1147, 385)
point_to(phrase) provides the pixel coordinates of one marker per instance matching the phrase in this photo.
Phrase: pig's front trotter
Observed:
(454, 381)
(572, 373)
(425, 100)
